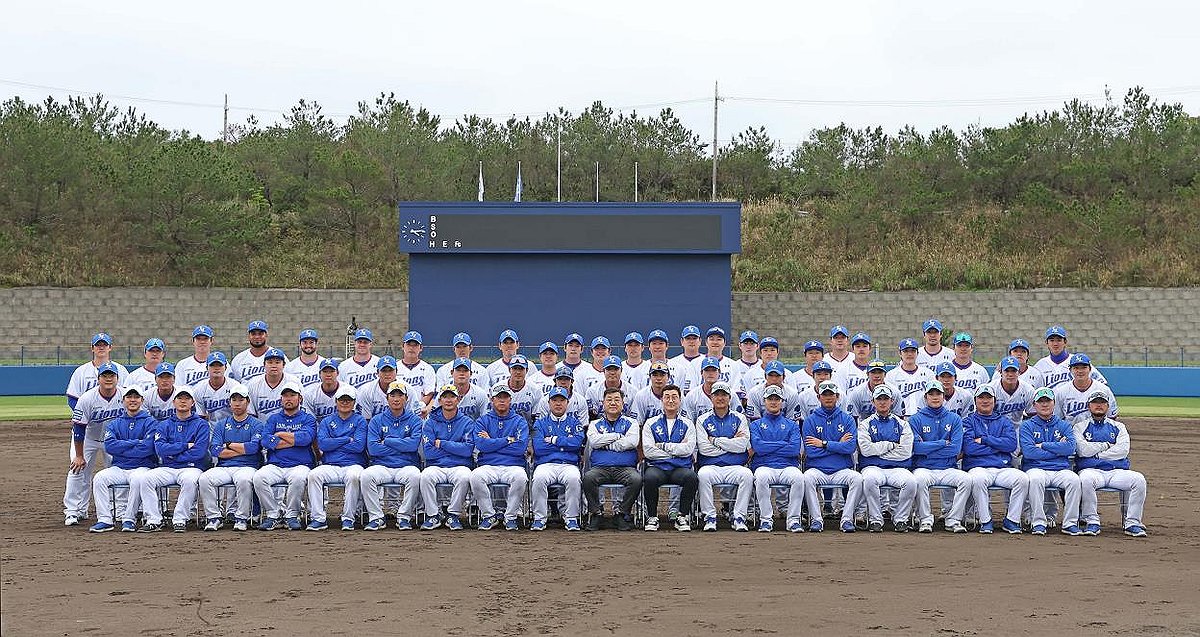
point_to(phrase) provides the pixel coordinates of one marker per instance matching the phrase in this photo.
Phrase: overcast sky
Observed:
(961, 62)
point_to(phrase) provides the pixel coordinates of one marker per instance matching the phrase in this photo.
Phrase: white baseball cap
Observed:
(133, 388)
(346, 390)
(239, 389)
(291, 385)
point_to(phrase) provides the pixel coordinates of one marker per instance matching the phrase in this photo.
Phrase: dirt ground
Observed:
(65, 581)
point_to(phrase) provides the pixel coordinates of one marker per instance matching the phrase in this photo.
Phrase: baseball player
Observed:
(543, 376)
(1102, 457)
(129, 440)
(319, 400)
(909, 376)
(775, 377)
(181, 443)
(956, 399)
(748, 347)
(810, 400)
(669, 442)
(635, 371)
(501, 439)
(612, 380)
(160, 401)
(362, 368)
(509, 344)
(860, 403)
(854, 372)
(144, 376)
(342, 439)
(937, 441)
(287, 437)
(648, 401)
(839, 356)
(473, 401)
(829, 444)
(237, 447)
(1019, 351)
(462, 350)
(970, 374)
(803, 380)
(989, 441)
(393, 446)
(248, 363)
(577, 403)
(266, 390)
(1014, 396)
(89, 418)
(307, 366)
(1071, 399)
(714, 343)
(525, 398)
(932, 353)
(573, 351)
(86, 376)
(372, 398)
(768, 350)
(1054, 367)
(193, 369)
(1047, 444)
(612, 440)
(885, 446)
(723, 443)
(558, 439)
(699, 402)
(588, 376)
(685, 372)
(212, 395)
(775, 440)
(448, 442)
(417, 375)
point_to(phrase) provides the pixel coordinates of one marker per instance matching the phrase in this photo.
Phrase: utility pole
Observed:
(558, 156)
(597, 182)
(716, 100)
(225, 124)
(635, 182)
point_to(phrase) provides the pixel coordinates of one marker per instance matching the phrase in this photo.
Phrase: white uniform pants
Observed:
(951, 477)
(514, 477)
(874, 478)
(372, 493)
(265, 480)
(242, 479)
(79, 485)
(1131, 482)
(709, 475)
(545, 475)
(188, 480)
(798, 489)
(108, 477)
(326, 474)
(460, 477)
(848, 478)
(1014, 480)
(1064, 479)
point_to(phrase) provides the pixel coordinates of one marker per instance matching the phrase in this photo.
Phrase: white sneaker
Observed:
(651, 524)
(240, 525)
(955, 527)
(682, 524)
(710, 523)
(926, 527)
(71, 521)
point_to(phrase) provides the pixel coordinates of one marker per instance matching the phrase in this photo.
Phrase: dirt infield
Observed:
(64, 581)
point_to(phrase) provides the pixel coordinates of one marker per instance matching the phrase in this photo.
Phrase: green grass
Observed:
(34, 408)
(1159, 407)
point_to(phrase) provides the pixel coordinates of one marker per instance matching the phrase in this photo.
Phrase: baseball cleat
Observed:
(453, 523)
(739, 524)
(682, 525)
(538, 525)
(1136, 530)
(214, 524)
(764, 526)
(1038, 529)
(512, 525)
(593, 523)
(432, 522)
(1091, 529)
(404, 524)
(486, 524)
(1011, 527)
(816, 526)
(71, 520)
(293, 524)
(347, 525)
(875, 527)
(268, 524)
(710, 523)
(572, 524)
(900, 527)
(1071, 529)
(955, 527)
(651, 524)
(240, 524)
(926, 527)
(317, 525)
(986, 528)
(179, 527)
(795, 527)
(848, 527)
(373, 525)
(101, 527)
(128, 527)
(151, 528)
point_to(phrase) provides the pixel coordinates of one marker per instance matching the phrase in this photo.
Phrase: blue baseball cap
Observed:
(612, 361)
(510, 334)
(155, 342)
(573, 337)
(658, 334)
(774, 367)
(908, 343)
(459, 362)
(202, 330)
(601, 341)
(548, 346)
(518, 361)
(715, 330)
(308, 333)
(748, 335)
(838, 329)
(814, 344)
(163, 368)
(413, 336)
(363, 333)
(558, 392)
(110, 366)
(634, 337)
(822, 366)
(1056, 330)
(1018, 342)
(931, 324)
(216, 357)
(1079, 359)
(877, 363)
(1010, 362)
(689, 330)
(329, 363)
(710, 361)
(768, 341)
(386, 361)
(964, 337)
(101, 337)
(564, 372)
(256, 325)
(462, 338)
(945, 368)
(860, 337)
(274, 352)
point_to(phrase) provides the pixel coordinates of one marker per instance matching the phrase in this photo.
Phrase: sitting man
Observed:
(775, 440)
(669, 442)
(182, 447)
(449, 444)
(287, 435)
(501, 439)
(723, 440)
(989, 440)
(830, 440)
(1102, 457)
(393, 442)
(558, 439)
(1047, 444)
(342, 439)
(613, 439)
(937, 440)
(237, 446)
(129, 439)
(885, 443)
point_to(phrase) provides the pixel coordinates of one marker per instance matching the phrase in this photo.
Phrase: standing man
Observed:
(509, 345)
(839, 349)
(129, 439)
(613, 439)
(768, 350)
(588, 376)
(775, 441)
(89, 418)
(756, 398)
(543, 376)
(525, 399)
(669, 442)
(558, 439)
(576, 404)
(248, 364)
(1102, 457)
(372, 398)
(319, 400)
(393, 443)
(971, 375)
(699, 402)
(804, 380)
(989, 441)
(472, 401)
(418, 376)
(938, 436)
(612, 380)
(463, 350)
(266, 391)
(648, 402)
(362, 368)
(160, 401)
(287, 437)
(909, 377)
(810, 400)
(194, 368)
(714, 343)
(854, 372)
(955, 399)
(829, 443)
(86, 376)
(1047, 444)
(306, 367)
(501, 439)
(860, 403)
(342, 439)
(212, 396)
(885, 444)
(1054, 367)
(932, 353)
(723, 443)
(748, 346)
(448, 441)
(684, 370)
(573, 351)
(635, 371)
(1072, 399)
(181, 443)
(237, 446)
(1019, 351)
(144, 376)
(1014, 396)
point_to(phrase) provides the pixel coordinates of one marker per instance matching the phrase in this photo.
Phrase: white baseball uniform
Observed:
(1071, 403)
(266, 399)
(308, 373)
(479, 375)
(94, 411)
(85, 377)
(358, 374)
(190, 371)
(926, 359)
